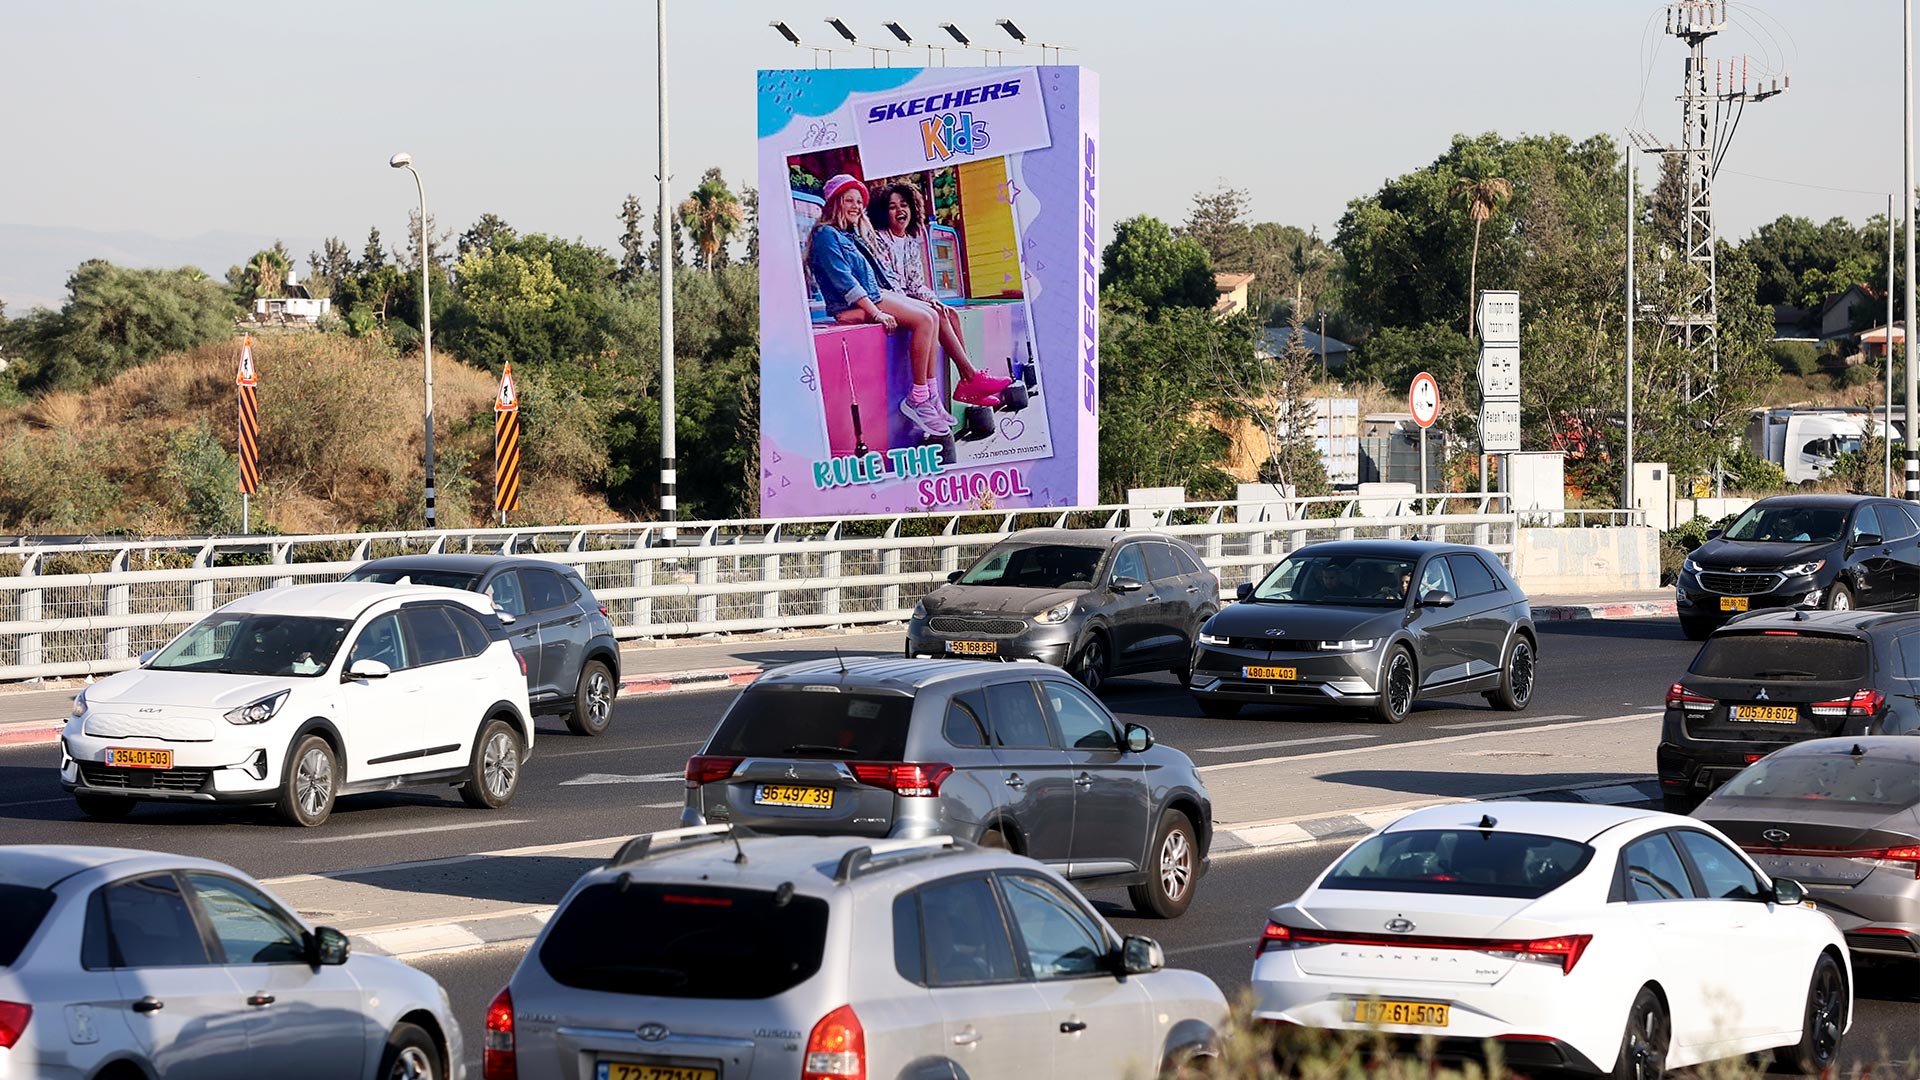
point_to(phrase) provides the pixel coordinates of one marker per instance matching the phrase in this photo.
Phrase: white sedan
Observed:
(1597, 939)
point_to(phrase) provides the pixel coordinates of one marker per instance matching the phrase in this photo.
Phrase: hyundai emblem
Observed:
(1400, 924)
(1776, 836)
(652, 1032)
(1276, 632)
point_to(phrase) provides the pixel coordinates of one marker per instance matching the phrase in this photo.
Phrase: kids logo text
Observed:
(941, 137)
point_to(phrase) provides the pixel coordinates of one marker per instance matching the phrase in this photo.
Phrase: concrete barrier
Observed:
(1583, 561)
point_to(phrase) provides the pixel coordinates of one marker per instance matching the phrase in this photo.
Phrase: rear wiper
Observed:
(1788, 673)
(818, 748)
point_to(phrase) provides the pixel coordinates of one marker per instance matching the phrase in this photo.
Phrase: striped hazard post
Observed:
(506, 446)
(249, 441)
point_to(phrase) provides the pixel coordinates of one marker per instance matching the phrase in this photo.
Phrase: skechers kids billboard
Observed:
(928, 289)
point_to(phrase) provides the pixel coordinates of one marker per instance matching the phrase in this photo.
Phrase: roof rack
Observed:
(640, 847)
(886, 854)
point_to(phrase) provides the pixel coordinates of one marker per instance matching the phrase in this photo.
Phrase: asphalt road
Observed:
(629, 780)
(1216, 938)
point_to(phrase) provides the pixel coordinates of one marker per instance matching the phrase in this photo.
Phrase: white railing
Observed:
(81, 608)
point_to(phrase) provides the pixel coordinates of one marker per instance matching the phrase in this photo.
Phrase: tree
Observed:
(1217, 221)
(633, 240)
(328, 270)
(115, 318)
(373, 256)
(1161, 376)
(710, 215)
(264, 276)
(678, 242)
(750, 198)
(1483, 195)
(491, 229)
(1148, 266)
(410, 258)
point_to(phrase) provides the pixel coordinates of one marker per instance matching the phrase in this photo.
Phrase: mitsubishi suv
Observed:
(296, 695)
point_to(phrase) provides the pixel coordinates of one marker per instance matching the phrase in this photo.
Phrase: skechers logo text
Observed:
(935, 103)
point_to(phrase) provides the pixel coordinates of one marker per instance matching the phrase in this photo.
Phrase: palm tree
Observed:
(266, 272)
(710, 215)
(1484, 195)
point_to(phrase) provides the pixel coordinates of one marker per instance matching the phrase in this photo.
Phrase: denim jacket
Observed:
(844, 271)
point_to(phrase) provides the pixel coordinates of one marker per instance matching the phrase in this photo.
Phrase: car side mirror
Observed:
(1788, 892)
(1127, 584)
(368, 669)
(1867, 540)
(1245, 590)
(1436, 598)
(955, 576)
(327, 947)
(1141, 956)
(147, 656)
(506, 617)
(1139, 738)
(1715, 534)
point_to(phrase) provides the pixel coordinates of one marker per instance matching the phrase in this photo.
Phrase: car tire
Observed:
(311, 783)
(1839, 598)
(495, 773)
(1643, 1046)
(1092, 665)
(1516, 680)
(104, 807)
(410, 1055)
(592, 700)
(1823, 1023)
(1696, 629)
(1218, 708)
(1399, 686)
(1173, 868)
(1678, 802)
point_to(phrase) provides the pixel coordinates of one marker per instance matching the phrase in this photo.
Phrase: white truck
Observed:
(1805, 442)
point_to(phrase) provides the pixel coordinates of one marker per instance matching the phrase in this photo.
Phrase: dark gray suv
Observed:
(1007, 755)
(555, 624)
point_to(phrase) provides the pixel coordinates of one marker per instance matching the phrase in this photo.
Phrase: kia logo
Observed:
(652, 1032)
(1276, 632)
(1776, 836)
(1400, 924)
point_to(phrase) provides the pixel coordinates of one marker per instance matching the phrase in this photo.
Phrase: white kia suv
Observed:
(297, 695)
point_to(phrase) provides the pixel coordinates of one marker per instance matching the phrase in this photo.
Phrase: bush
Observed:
(1749, 471)
(1794, 357)
(1855, 376)
(204, 479)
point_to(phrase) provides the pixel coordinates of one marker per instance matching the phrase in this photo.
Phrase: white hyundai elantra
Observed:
(1590, 938)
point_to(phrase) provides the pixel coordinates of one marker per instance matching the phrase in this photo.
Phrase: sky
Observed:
(197, 131)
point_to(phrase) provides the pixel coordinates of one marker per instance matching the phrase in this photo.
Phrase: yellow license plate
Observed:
(129, 758)
(627, 1070)
(1767, 714)
(973, 648)
(1417, 1013)
(1284, 673)
(792, 795)
(1733, 603)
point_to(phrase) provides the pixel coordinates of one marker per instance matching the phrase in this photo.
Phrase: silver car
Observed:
(128, 964)
(706, 953)
(1017, 756)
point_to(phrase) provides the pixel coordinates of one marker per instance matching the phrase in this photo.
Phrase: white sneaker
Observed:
(929, 417)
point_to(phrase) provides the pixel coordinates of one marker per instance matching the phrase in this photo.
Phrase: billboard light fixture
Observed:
(954, 32)
(794, 40)
(1012, 30)
(841, 29)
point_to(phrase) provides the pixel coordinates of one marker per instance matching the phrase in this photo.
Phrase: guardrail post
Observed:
(706, 606)
(643, 577)
(28, 652)
(119, 637)
(830, 571)
(770, 575)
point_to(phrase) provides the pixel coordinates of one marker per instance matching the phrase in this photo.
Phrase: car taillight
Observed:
(1862, 703)
(1679, 697)
(496, 1057)
(706, 768)
(1274, 936)
(605, 612)
(837, 1048)
(1564, 950)
(910, 778)
(13, 1022)
(523, 664)
(1902, 857)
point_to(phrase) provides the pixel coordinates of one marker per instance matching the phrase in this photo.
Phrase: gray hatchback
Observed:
(1017, 756)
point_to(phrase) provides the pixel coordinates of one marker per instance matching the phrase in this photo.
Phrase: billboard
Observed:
(929, 304)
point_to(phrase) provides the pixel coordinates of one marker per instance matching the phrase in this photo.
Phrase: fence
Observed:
(83, 608)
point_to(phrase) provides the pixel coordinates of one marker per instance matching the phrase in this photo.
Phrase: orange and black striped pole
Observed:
(249, 441)
(506, 446)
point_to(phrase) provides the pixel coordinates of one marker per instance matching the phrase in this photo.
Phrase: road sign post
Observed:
(1423, 400)
(1499, 322)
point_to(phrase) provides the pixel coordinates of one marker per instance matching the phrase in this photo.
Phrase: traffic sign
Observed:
(1423, 400)
(1499, 317)
(1499, 426)
(1500, 371)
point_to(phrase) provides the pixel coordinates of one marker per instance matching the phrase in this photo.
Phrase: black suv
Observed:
(556, 626)
(1812, 551)
(1774, 678)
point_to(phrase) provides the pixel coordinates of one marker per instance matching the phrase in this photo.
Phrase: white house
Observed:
(297, 306)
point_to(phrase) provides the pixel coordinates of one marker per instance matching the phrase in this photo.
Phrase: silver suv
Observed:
(1015, 756)
(706, 953)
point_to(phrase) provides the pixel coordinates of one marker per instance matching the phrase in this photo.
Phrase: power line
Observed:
(1803, 184)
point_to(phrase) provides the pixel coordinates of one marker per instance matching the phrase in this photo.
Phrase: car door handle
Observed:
(967, 1037)
(149, 1004)
(1015, 782)
(1193, 588)
(1069, 1027)
(1083, 780)
(260, 1000)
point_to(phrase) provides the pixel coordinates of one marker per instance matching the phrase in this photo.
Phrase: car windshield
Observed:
(804, 723)
(1781, 654)
(1788, 524)
(1036, 566)
(1469, 862)
(255, 644)
(446, 579)
(686, 941)
(1346, 580)
(1878, 779)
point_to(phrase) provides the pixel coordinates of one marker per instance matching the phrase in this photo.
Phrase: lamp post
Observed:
(669, 501)
(405, 161)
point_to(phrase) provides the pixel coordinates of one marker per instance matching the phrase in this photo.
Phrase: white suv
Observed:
(296, 695)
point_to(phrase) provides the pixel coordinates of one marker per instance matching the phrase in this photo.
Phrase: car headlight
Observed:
(1690, 566)
(919, 609)
(1214, 639)
(1349, 645)
(1804, 569)
(258, 712)
(1056, 614)
(79, 703)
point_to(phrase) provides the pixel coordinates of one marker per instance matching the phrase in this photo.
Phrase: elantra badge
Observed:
(1776, 836)
(1400, 924)
(1276, 632)
(652, 1032)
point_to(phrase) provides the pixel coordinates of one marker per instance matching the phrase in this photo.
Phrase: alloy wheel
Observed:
(313, 782)
(412, 1064)
(599, 698)
(1093, 663)
(1825, 1015)
(1176, 865)
(1520, 672)
(1400, 684)
(1841, 601)
(499, 765)
(1647, 1044)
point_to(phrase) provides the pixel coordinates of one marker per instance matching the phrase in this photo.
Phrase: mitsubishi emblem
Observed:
(652, 1032)
(1400, 924)
(793, 773)
(1762, 695)
(1776, 836)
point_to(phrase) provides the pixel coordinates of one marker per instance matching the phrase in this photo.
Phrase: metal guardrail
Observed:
(92, 607)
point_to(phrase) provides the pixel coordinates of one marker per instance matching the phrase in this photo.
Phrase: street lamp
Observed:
(405, 161)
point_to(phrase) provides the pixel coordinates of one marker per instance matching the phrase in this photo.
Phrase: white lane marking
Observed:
(1245, 943)
(1508, 722)
(1419, 743)
(603, 751)
(610, 843)
(420, 939)
(663, 805)
(384, 833)
(617, 778)
(1281, 742)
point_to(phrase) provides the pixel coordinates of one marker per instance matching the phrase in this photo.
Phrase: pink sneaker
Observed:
(981, 389)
